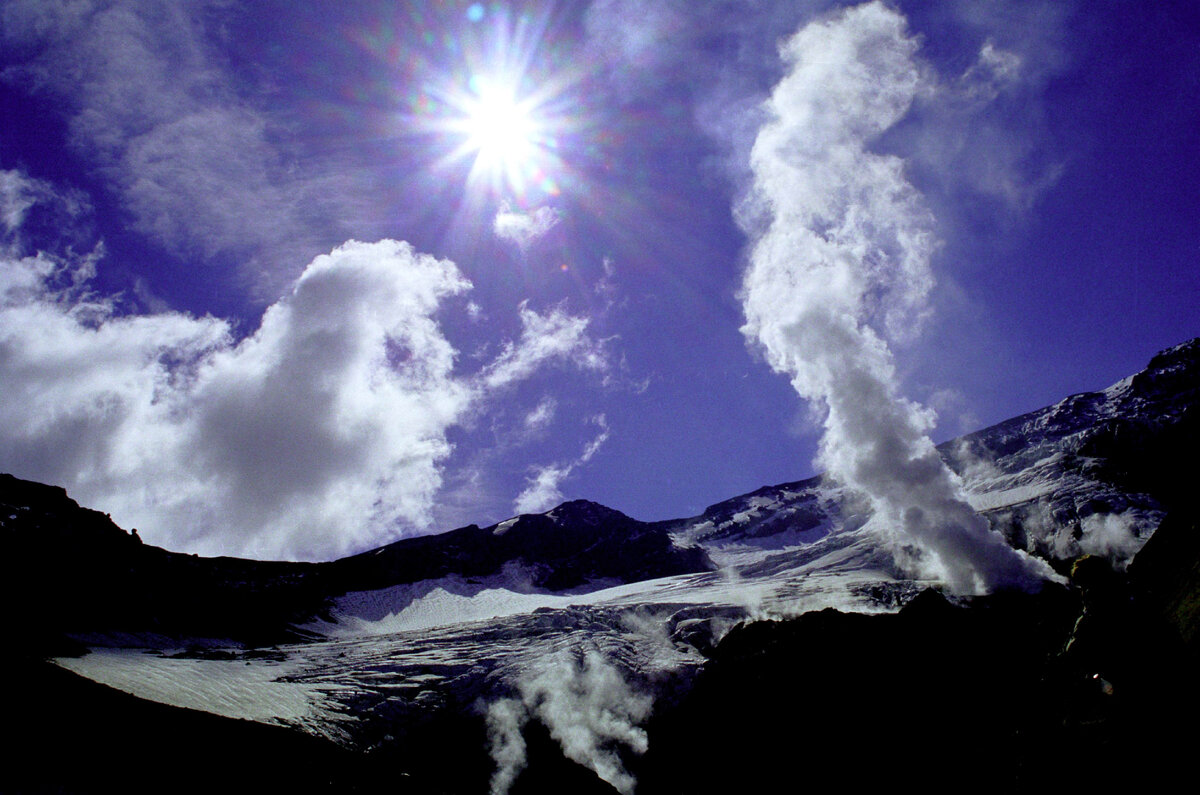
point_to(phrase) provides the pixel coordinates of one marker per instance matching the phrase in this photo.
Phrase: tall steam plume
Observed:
(840, 265)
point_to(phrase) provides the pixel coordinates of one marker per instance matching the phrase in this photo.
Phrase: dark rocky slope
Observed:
(575, 544)
(1002, 694)
(68, 570)
(74, 572)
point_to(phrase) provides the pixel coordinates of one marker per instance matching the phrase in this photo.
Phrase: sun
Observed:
(501, 130)
(504, 133)
(499, 107)
(505, 130)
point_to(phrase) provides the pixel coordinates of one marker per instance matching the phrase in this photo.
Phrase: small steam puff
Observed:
(588, 708)
(505, 720)
(842, 244)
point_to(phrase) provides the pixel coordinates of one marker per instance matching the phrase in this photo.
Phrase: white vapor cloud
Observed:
(524, 228)
(541, 491)
(322, 432)
(589, 709)
(840, 264)
(1112, 535)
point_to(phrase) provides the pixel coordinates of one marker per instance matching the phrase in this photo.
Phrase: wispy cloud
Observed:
(984, 132)
(839, 265)
(555, 335)
(993, 71)
(541, 491)
(198, 167)
(17, 194)
(537, 420)
(60, 212)
(981, 131)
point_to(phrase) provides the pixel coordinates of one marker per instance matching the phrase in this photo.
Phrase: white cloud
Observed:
(338, 406)
(524, 228)
(840, 264)
(322, 432)
(541, 491)
(299, 441)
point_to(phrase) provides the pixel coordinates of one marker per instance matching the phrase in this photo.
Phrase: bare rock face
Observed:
(1166, 575)
(574, 544)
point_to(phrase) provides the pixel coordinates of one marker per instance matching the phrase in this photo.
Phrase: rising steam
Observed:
(840, 265)
(589, 709)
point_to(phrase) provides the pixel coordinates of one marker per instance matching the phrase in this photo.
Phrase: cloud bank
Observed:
(324, 431)
(840, 264)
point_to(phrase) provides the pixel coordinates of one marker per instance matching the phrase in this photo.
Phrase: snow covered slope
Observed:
(1090, 474)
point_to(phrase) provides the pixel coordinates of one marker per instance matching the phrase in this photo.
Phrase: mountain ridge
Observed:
(1054, 481)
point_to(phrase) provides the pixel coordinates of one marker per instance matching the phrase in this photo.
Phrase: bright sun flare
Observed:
(507, 137)
(499, 128)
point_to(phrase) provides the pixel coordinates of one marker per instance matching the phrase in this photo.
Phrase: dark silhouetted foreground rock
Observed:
(980, 695)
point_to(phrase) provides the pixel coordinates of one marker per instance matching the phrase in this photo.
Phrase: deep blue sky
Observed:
(215, 149)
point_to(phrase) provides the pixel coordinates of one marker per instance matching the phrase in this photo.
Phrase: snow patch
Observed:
(1003, 498)
(234, 688)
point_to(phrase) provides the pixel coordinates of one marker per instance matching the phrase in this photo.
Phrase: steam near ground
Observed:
(589, 709)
